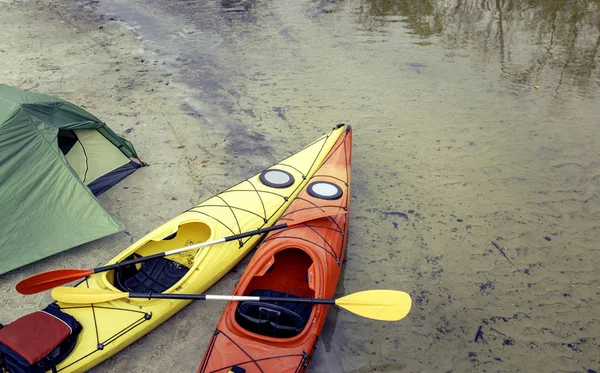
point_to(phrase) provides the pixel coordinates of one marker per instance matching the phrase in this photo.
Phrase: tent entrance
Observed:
(91, 155)
(95, 160)
(66, 139)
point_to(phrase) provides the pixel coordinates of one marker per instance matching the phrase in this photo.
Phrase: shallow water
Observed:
(476, 164)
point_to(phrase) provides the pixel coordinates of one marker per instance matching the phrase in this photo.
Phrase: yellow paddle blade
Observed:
(385, 305)
(85, 296)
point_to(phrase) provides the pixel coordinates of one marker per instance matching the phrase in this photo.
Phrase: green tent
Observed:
(54, 158)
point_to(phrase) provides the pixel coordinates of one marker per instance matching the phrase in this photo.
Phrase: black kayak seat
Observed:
(155, 275)
(273, 319)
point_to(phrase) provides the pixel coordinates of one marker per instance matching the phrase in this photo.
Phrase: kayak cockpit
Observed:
(160, 274)
(152, 276)
(288, 277)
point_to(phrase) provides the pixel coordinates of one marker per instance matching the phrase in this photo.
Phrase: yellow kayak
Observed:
(254, 203)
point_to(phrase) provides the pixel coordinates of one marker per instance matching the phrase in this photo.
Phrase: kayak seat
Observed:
(155, 275)
(273, 319)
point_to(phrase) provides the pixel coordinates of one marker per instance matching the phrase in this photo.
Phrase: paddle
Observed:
(385, 305)
(51, 279)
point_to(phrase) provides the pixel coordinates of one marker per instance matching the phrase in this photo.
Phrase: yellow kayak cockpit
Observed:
(158, 275)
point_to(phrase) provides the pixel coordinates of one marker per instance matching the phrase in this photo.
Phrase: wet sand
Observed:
(475, 170)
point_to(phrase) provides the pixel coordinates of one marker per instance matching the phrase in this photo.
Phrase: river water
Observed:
(476, 164)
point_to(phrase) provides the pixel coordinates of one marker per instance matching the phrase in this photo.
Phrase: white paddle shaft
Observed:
(192, 247)
(239, 298)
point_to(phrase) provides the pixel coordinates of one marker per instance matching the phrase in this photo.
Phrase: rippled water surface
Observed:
(476, 159)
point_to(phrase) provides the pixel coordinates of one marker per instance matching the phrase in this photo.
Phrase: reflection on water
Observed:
(475, 122)
(532, 40)
(418, 15)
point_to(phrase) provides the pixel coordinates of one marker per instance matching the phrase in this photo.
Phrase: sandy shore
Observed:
(101, 67)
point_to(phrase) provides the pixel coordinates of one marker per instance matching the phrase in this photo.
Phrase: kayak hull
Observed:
(109, 327)
(305, 261)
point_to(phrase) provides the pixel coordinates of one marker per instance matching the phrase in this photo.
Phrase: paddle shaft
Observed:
(384, 305)
(191, 247)
(239, 298)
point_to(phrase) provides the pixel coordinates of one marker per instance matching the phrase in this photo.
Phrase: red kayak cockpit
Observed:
(290, 276)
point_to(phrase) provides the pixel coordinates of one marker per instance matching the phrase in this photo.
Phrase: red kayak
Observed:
(301, 261)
